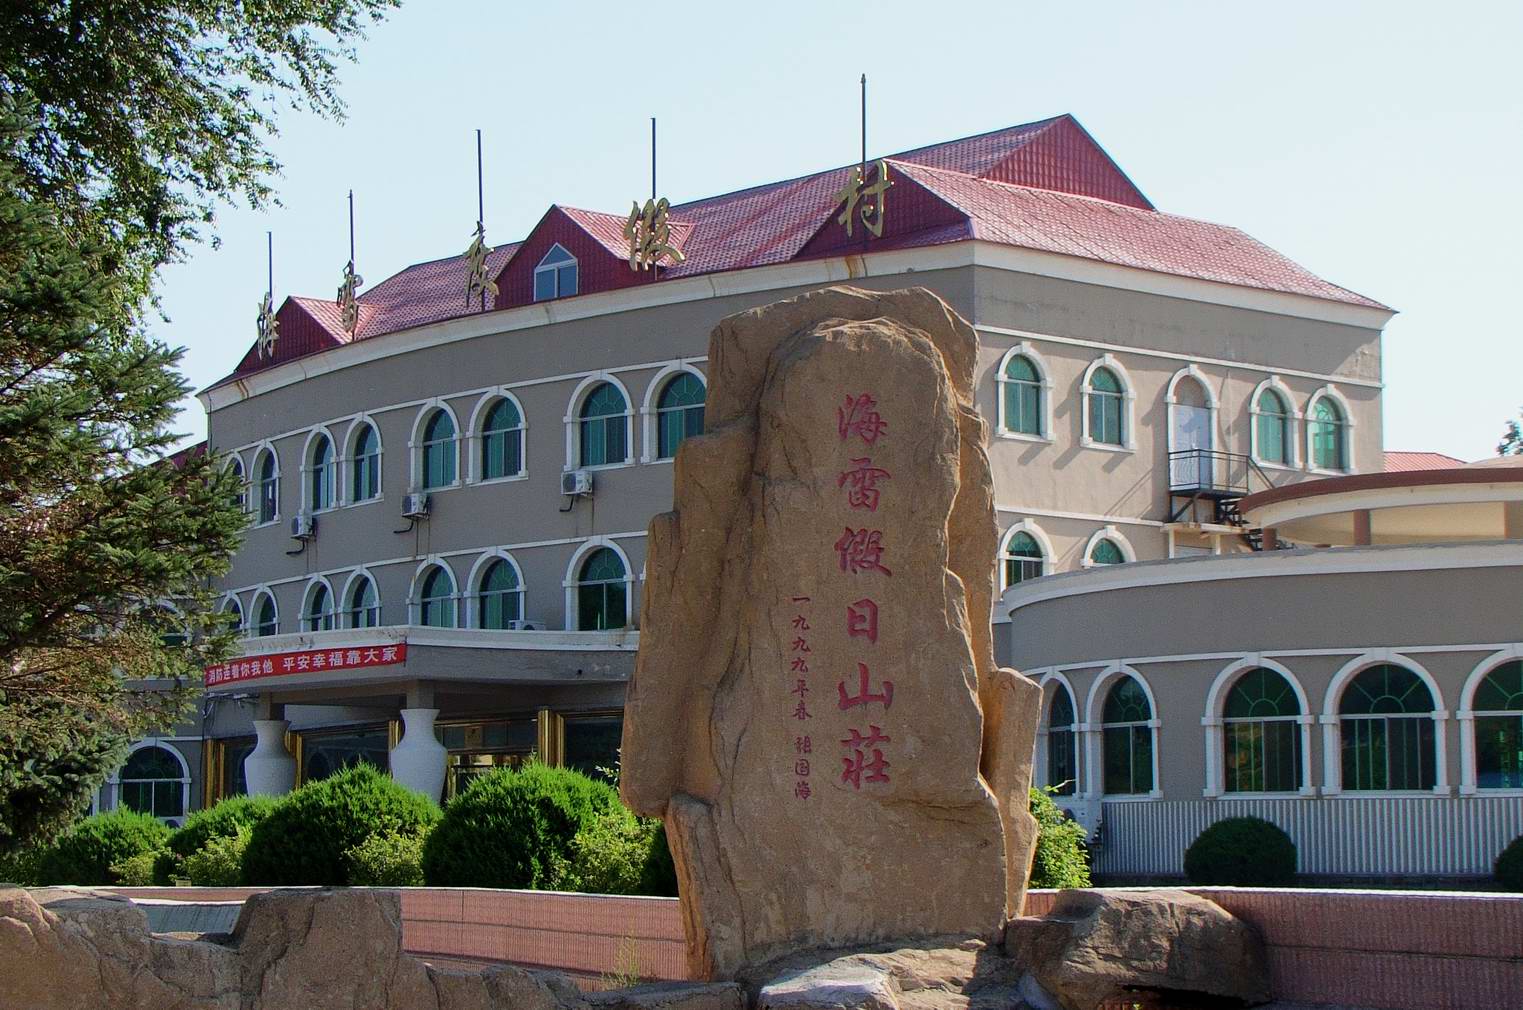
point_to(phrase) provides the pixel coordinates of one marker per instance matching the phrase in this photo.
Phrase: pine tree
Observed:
(1512, 439)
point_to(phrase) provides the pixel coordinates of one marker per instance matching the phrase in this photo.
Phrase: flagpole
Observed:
(351, 228)
(864, 122)
(480, 207)
(269, 238)
(652, 157)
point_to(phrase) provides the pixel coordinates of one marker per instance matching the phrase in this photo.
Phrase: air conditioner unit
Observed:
(526, 625)
(416, 505)
(576, 482)
(303, 526)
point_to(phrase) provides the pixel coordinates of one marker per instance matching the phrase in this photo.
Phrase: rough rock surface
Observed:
(1095, 944)
(969, 976)
(831, 537)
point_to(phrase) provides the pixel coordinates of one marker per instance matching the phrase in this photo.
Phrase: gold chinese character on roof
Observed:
(348, 305)
(863, 200)
(476, 280)
(649, 235)
(269, 328)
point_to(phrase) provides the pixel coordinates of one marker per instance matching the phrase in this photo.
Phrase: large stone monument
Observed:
(815, 709)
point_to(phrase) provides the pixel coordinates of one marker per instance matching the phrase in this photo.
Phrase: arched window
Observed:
(266, 618)
(241, 487)
(438, 450)
(1328, 431)
(1062, 743)
(269, 486)
(319, 615)
(602, 428)
(679, 413)
(500, 599)
(153, 782)
(601, 593)
(1127, 738)
(1023, 396)
(363, 605)
(555, 277)
(1271, 428)
(502, 441)
(233, 613)
(1387, 731)
(365, 464)
(1106, 406)
(321, 474)
(1106, 552)
(1023, 559)
(436, 603)
(1261, 734)
(1498, 709)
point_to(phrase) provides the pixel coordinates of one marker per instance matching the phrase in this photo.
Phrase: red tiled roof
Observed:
(1401, 462)
(1045, 186)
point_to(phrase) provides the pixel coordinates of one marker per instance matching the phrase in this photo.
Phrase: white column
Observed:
(419, 760)
(270, 770)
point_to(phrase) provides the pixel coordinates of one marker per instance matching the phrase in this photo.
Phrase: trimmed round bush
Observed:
(1509, 868)
(1061, 859)
(1242, 852)
(305, 838)
(220, 821)
(514, 828)
(86, 853)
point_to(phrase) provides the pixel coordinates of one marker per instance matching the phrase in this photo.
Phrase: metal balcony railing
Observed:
(1211, 473)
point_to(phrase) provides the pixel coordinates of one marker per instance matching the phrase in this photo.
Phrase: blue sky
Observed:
(1378, 144)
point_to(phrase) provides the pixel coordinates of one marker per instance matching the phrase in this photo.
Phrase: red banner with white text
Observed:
(279, 664)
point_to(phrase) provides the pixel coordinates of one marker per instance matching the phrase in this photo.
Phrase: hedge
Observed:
(1242, 852)
(86, 853)
(1509, 866)
(1061, 859)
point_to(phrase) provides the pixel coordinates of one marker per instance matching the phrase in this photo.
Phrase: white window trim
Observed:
(1029, 526)
(573, 422)
(1116, 537)
(150, 743)
(1292, 422)
(335, 470)
(1044, 410)
(476, 436)
(235, 459)
(1466, 716)
(571, 582)
(1128, 406)
(415, 446)
(1092, 732)
(346, 478)
(335, 609)
(1350, 464)
(1215, 722)
(1171, 402)
(415, 594)
(473, 584)
(1039, 770)
(257, 485)
(543, 267)
(1332, 764)
(344, 620)
(251, 616)
(650, 434)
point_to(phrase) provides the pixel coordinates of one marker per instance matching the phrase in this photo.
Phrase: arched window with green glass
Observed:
(1127, 739)
(1261, 734)
(1023, 559)
(502, 441)
(1106, 552)
(500, 598)
(1387, 731)
(602, 592)
(319, 614)
(679, 412)
(268, 471)
(240, 482)
(1271, 428)
(1062, 743)
(232, 613)
(438, 450)
(436, 600)
(365, 464)
(1022, 396)
(603, 426)
(363, 605)
(321, 474)
(154, 782)
(266, 617)
(1327, 429)
(1498, 715)
(1106, 407)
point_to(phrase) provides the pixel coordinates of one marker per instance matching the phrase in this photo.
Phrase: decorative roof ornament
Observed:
(476, 280)
(269, 328)
(649, 235)
(863, 200)
(348, 304)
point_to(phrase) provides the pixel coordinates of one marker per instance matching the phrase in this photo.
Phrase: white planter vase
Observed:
(419, 760)
(270, 770)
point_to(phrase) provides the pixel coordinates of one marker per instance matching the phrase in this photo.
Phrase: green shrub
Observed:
(166, 867)
(1509, 868)
(1060, 859)
(658, 874)
(304, 839)
(20, 867)
(387, 861)
(608, 856)
(220, 821)
(514, 828)
(1242, 852)
(86, 853)
(136, 870)
(219, 863)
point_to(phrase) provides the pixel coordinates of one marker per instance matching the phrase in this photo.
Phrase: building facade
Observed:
(448, 499)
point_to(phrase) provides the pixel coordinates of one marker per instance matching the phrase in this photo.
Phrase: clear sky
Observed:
(1380, 144)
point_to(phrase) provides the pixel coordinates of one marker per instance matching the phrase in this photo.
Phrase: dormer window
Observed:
(555, 277)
